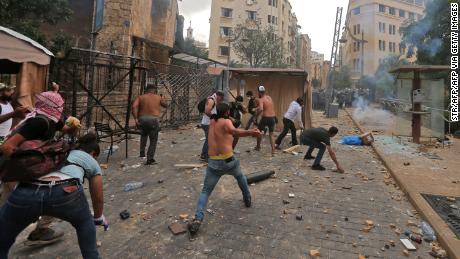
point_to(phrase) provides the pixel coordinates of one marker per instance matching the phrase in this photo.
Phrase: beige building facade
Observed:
(149, 25)
(372, 32)
(316, 66)
(226, 15)
(304, 52)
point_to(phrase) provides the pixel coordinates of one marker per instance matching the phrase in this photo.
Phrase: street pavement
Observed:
(334, 207)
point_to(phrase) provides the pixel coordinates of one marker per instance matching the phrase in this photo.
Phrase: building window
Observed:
(402, 13)
(392, 10)
(354, 29)
(226, 12)
(382, 26)
(359, 46)
(359, 28)
(225, 31)
(382, 8)
(252, 15)
(390, 28)
(272, 19)
(390, 46)
(354, 46)
(411, 16)
(273, 3)
(382, 44)
(224, 51)
(357, 10)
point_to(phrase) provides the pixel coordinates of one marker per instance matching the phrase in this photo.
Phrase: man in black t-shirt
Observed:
(236, 109)
(320, 138)
(251, 109)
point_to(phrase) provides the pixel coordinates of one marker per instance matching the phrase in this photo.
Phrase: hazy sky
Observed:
(317, 19)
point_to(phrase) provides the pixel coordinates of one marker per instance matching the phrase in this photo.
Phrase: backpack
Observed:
(34, 159)
(202, 105)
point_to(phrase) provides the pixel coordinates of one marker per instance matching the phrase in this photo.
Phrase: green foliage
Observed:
(60, 44)
(191, 48)
(258, 47)
(26, 16)
(341, 79)
(430, 36)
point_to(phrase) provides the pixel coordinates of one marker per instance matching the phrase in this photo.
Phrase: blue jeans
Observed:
(204, 150)
(28, 202)
(215, 170)
(312, 144)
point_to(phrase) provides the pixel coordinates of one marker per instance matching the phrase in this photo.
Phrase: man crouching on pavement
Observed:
(221, 161)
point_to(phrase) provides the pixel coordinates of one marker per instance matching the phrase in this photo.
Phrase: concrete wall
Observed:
(151, 20)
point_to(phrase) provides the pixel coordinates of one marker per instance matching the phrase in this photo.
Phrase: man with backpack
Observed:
(209, 109)
(42, 124)
(60, 194)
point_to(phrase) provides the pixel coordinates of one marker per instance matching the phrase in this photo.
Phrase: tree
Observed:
(26, 16)
(191, 48)
(341, 79)
(429, 37)
(258, 47)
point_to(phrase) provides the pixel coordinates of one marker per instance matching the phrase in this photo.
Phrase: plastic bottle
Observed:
(133, 185)
(428, 232)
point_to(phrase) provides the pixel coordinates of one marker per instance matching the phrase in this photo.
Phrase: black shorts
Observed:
(267, 122)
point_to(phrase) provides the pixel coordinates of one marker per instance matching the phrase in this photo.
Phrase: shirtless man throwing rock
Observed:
(221, 161)
(268, 117)
(146, 112)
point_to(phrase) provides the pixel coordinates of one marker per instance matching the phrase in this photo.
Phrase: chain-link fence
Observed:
(100, 87)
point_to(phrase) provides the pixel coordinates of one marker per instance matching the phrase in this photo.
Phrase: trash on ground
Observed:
(291, 195)
(133, 186)
(351, 140)
(408, 245)
(125, 215)
(428, 232)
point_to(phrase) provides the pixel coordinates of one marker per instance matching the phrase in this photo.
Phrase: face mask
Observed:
(6, 98)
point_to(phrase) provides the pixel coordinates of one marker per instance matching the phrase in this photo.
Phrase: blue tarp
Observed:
(352, 140)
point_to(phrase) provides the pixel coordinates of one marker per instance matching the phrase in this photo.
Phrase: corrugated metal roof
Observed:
(27, 39)
(267, 70)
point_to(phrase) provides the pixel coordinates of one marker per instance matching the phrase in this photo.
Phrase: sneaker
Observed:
(247, 201)
(193, 227)
(318, 167)
(203, 159)
(151, 162)
(43, 237)
(308, 157)
(142, 155)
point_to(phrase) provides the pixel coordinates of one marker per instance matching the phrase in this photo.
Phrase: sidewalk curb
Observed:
(418, 202)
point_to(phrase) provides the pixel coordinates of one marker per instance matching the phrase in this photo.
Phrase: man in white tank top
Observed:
(7, 113)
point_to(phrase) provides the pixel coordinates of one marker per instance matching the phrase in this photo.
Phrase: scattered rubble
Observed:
(177, 228)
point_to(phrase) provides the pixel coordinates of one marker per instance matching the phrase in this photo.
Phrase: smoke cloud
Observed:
(373, 117)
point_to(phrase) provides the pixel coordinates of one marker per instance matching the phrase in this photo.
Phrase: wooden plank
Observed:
(291, 149)
(189, 166)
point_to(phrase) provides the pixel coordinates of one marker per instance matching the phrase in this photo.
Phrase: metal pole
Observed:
(130, 94)
(362, 53)
(417, 108)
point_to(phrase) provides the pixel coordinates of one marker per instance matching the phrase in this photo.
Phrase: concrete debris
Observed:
(406, 164)
(354, 244)
(405, 252)
(98, 243)
(369, 223)
(291, 195)
(315, 253)
(410, 223)
(177, 228)
(210, 211)
(104, 166)
(299, 217)
(125, 215)
(285, 202)
(183, 216)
